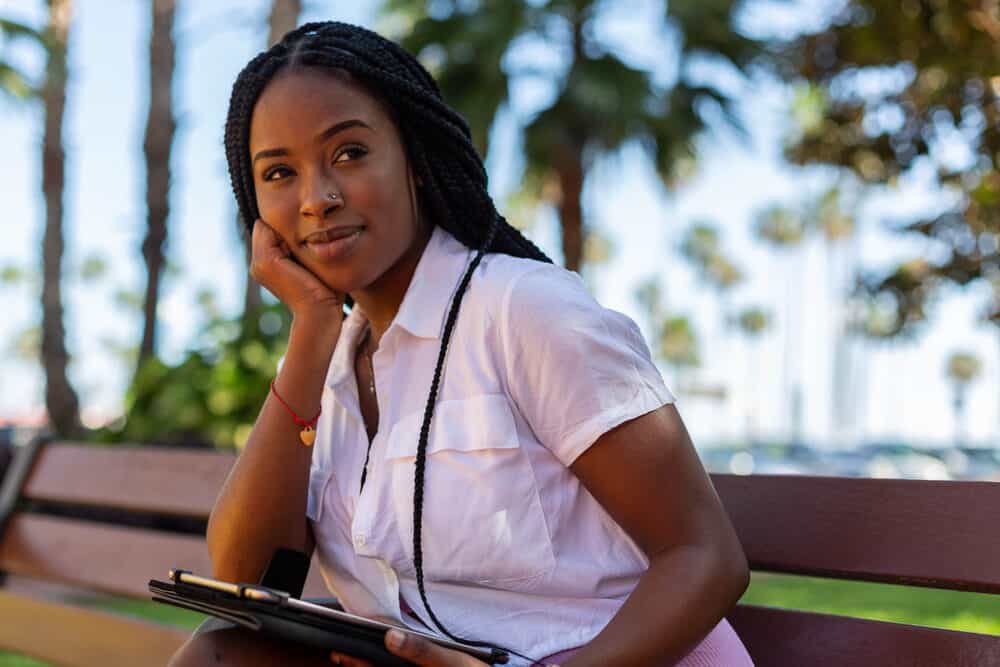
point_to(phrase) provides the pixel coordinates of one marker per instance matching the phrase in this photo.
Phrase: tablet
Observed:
(276, 613)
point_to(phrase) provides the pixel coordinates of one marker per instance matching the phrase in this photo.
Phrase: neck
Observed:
(380, 301)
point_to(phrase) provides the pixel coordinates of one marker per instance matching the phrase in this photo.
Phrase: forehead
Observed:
(296, 106)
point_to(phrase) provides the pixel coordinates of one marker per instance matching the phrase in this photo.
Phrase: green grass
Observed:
(952, 610)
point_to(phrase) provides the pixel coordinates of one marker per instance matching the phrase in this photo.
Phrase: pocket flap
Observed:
(469, 424)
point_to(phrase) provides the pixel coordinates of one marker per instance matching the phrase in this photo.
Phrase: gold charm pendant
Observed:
(308, 436)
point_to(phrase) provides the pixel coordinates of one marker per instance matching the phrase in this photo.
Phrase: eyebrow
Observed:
(321, 137)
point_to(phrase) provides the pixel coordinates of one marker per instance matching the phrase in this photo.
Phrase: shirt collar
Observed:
(427, 300)
(425, 305)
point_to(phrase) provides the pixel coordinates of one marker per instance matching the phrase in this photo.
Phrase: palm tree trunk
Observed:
(61, 400)
(284, 17)
(158, 142)
(570, 170)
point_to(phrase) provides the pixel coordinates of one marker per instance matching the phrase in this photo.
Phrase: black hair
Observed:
(451, 175)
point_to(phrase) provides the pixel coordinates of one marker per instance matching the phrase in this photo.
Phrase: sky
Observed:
(898, 391)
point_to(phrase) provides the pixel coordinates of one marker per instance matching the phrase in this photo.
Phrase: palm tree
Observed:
(601, 103)
(783, 229)
(702, 247)
(283, 17)
(14, 82)
(962, 369)
(676, 341)
(157, 146)
(752, 323)
(836, 225)
(678, 346)
(61, 401)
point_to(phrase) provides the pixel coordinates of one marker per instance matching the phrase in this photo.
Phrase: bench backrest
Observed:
(922, 533)
(151, 506)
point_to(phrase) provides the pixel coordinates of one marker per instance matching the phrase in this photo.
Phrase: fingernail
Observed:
(394, 639)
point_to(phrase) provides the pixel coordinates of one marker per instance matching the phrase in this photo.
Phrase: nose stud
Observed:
(333, 196)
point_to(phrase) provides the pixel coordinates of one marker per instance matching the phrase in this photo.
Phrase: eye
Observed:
(276, 173)
(352, 152)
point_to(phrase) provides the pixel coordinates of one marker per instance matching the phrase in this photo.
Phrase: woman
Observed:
(496, 458)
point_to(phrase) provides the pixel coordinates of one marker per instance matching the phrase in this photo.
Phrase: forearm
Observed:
(679, 600)
(262, 505)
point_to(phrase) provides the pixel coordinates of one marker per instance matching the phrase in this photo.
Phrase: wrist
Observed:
(317, 326)
(312, 339)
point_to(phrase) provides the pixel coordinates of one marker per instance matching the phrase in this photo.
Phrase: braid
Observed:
(438, 144)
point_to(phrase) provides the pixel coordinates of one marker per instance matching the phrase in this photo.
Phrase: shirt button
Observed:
(359, 540)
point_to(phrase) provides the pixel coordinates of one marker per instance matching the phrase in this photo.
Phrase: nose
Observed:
(320, 199)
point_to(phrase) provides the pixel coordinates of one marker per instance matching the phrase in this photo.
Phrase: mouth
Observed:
(334, 243)
(331, 234)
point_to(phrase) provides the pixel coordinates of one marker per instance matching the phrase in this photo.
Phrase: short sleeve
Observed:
(574, 369)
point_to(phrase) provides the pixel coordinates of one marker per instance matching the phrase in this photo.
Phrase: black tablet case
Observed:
(326, 634)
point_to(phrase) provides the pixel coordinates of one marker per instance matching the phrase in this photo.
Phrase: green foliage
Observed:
(14, 83)
(963, 367)
(888, 85)
(702, 247)
(93, 268)
(212, 396)
(600, 102)
(780, 226)
(679, 343)
(753, 321)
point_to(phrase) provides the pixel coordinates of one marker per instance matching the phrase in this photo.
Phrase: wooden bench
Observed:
(937, 534)
(918, 533)
(44, 548)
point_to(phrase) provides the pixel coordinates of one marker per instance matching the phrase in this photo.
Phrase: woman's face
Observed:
(313, 135)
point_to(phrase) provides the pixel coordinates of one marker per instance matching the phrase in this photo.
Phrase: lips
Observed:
(334, 244)
(332, 234)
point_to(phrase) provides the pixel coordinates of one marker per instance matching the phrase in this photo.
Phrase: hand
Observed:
(273, 266)
(415, 649)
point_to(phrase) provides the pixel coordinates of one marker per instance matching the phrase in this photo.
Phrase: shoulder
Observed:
(518, 286)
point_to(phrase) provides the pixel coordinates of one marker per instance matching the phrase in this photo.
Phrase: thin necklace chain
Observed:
(368, 355)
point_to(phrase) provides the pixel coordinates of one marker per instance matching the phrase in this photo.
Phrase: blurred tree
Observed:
(783, 228)
(283, 18)
(676, 341)
(157, 146)
(212, 397)
(702, 247)
(61, 401)
(963, 368)
(14, 82)
(890, 85)
(752, 323)
(678, 347)
(600, 102)
(833, 216)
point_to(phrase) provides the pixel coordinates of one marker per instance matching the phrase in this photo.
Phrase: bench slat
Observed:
(936, 534)
(110, 559)
(102, 557)
(145, 479)
(786, 638)
(75, 637)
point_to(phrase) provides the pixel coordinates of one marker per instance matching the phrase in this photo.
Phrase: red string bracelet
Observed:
(308, 432)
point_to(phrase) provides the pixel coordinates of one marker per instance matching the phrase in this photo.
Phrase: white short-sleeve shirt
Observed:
(515, 550)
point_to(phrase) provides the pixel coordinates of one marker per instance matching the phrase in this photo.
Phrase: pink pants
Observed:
(720, 648)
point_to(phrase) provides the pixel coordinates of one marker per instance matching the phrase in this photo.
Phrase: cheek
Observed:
(387, 207)
(277, 209)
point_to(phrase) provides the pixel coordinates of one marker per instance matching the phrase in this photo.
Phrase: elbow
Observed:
(735, 572)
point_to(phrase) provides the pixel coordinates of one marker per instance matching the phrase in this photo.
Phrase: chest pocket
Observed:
(482, 517)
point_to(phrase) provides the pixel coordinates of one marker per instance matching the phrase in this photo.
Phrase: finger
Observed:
(426, 653)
